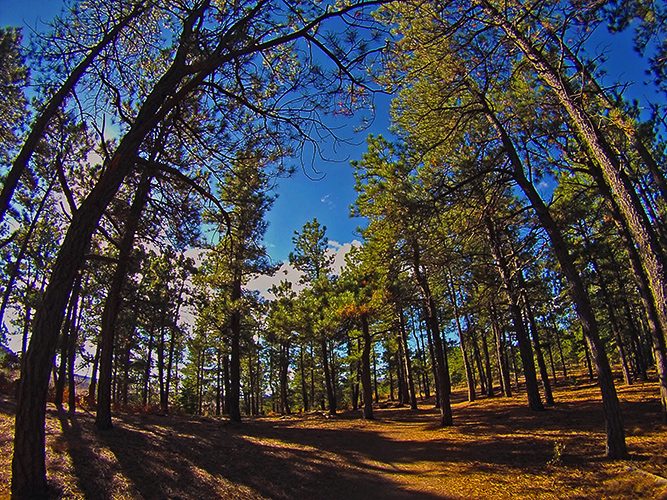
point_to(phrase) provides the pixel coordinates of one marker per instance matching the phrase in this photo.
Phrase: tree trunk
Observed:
(15, 267)
(470, 379)
(375, 375)
(160, 361)
(75, 323)
(42, 120)
(226, 384)
(29, 459)
(331, 397)
(589, 365)
(487, 367)
(534, 333)
(304, 386)
(476, 354)
(422, 355)
(656, 329)
(366, 383)
(91, 398)
(434, 365)
(500, 352)
(235, 351)
(407, 362)
(147, 370)
(615, 443)
(609, 305)
(170, 360)
(284, 381)
(114, 300)
(643, 234)
(525, 350)
(442, 368)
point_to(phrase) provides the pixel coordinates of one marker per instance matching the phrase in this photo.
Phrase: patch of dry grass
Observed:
(496, 449)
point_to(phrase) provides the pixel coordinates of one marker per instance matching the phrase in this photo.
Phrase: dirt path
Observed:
(497, 449)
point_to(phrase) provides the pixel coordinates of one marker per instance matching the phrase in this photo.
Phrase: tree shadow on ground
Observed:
(150, 456)
(199, 458)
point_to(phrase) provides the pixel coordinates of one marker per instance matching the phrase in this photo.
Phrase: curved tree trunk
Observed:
(51, 108)
(656, 331)
(28, 462)
(113, 303)
(643, 234)
(16, 265)
(615, 443)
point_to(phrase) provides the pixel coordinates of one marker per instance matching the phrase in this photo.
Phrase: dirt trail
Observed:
(497, 449)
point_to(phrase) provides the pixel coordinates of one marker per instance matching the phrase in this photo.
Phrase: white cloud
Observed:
(339, 252)
(264, 282)
(335, 245)
(326, 199)
(197, 254)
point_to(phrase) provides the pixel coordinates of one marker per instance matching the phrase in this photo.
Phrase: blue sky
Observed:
(325, 189)
(320, 188)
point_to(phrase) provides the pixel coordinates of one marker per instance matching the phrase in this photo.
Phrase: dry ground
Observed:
(497, 449)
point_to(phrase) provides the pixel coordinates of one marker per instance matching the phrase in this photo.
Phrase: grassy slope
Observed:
(497, 449)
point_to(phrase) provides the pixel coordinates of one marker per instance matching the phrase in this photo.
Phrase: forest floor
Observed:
(496, 449)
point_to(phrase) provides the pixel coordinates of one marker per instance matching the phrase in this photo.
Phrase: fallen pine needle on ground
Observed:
(496, 449)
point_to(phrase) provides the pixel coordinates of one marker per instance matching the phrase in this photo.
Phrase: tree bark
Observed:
(643, 234)
(304, 386)
(615, 443)
(71, 350)
(534, 333)
(407, 362)
(114, 300)
(284, 380)
(656, 330)
(15, 267)
(500, 352)
(29, 460)
(470, 379)
(52, 107)
(487, 367)
(91, 398)
(525, 351)
(235, 351)
(366, 383)
(441, 365)
(331, 397)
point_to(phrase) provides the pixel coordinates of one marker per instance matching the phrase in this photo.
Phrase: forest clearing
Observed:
(497, 449)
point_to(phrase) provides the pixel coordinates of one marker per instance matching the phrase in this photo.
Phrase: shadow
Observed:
(203, 459)
(89, 467)
(403, 454)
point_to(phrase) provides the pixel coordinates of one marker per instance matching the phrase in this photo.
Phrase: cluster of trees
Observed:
(515, 220)
(113, 145)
